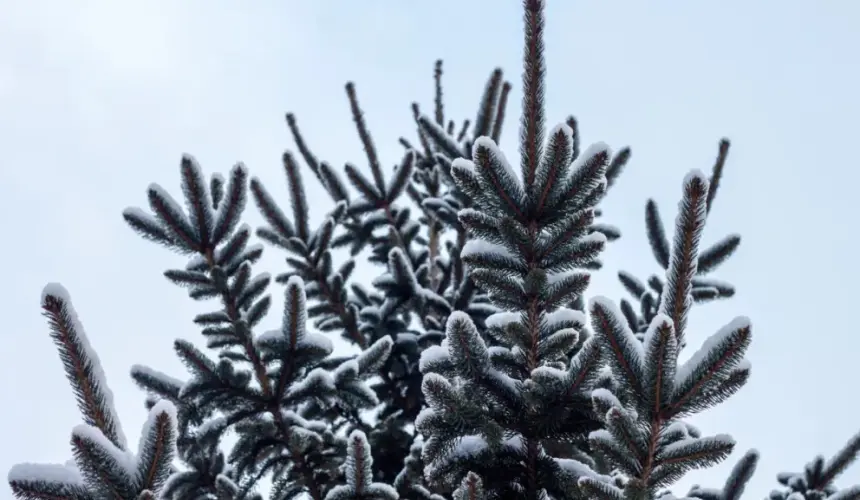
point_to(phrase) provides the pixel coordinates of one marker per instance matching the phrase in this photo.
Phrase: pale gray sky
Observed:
(100, 98)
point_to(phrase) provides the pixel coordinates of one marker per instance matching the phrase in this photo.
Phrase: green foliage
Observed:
(702, 288)
(103, 466)
(488, 377)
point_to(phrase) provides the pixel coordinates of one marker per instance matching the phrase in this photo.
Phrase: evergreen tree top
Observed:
(481, 370)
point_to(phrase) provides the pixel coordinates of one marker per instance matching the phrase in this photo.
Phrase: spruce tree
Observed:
(104, 467)
(489, 376)
(491, 409)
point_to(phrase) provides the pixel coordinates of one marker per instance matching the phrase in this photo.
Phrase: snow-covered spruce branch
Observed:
(103, 466)
(442, 149)
(644, 437)
(817, 481)
(704, 289)
(287, 364)
(492, 408)
(420, 286)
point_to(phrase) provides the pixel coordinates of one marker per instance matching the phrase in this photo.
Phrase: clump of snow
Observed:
(510, 383)
(616, 317)
(548, 372)
(166, 197)
(605, 395)
(211, 424)
(161, 407)
(658, 321)
(269, 336)
(157, 375)
(553, 278)
(594, 237)
(346, 370)
(601, 435)
(463, 163)
(490, 145)
(52, 473)
(711, 347)
(477, 246)
(578, 469)
(697, 176)
(502, 319)
(432, 355)
(676, 428)
(256, 280)
(296, 281)
(565, 129)
(316, 377)
(59, 293)
(423, 415)
(589, 153)
(474, 445)
(124, 459)
(318, 341)
(717, 440)
(563, 315)
(138, 213)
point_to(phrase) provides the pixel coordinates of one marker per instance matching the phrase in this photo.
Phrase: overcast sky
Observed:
(100, 98)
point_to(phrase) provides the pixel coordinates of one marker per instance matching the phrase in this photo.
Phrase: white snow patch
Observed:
(423, 415)
(548, 372)
(211, 424)
(502, 319)
(509, 382)
(743, 364)
(124, 459)
(138, 213)
(52, 473)
(605, 395)
(269, 336)
(677, 427)
(658, 321)
(594, 237)
(577, 468)
(347, 369)
(565, 129)
(553, 278)
(316, 377)
(463, 163)
(432, 354)
(615, 316)
(167, 198)
(162, 406)
(488, 143)
(297, 282)
(317, 340)
(719, 439)
(564, 315)
(696, 175)
(477, 246)
(155, 374)
(710, 347)
(472, 445)
(589, 153)
(601, 435)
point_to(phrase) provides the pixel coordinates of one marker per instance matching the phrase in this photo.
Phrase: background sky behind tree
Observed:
(100, 98)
